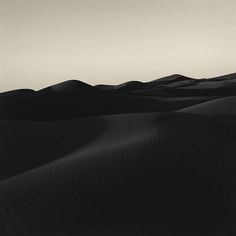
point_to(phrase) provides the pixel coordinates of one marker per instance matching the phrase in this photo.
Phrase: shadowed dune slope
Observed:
(225, 107)
(139, 159)
(125, 176)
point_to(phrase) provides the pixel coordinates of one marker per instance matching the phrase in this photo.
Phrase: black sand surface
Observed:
(155, 158)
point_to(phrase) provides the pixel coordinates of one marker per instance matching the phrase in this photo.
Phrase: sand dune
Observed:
(78, 159)
(224, 107)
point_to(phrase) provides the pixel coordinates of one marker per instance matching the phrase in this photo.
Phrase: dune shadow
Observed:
(26, 145)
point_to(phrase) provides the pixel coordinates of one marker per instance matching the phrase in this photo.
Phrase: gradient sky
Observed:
(43, 42)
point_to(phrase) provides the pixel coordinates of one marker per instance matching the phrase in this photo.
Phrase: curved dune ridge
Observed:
(154, 158)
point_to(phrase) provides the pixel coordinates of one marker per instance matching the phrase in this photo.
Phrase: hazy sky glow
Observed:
(43, 42)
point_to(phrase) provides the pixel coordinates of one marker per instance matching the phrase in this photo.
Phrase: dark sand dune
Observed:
(89, 160)
(224, 107)
(137, 85)
(68, 87)
(16, 93)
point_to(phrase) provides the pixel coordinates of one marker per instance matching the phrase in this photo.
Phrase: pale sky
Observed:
(43, 42)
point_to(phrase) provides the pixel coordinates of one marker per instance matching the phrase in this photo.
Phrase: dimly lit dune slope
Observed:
(225, 107)
(78, 159)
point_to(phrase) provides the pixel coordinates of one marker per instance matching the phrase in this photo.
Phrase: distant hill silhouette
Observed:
(73, 98)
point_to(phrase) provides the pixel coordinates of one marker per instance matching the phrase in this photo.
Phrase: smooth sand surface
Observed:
(104, 160)
(218, 107)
